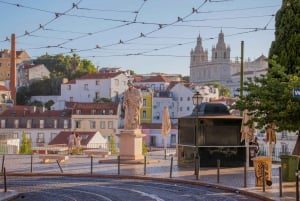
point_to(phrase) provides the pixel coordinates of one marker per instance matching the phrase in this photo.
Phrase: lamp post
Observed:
(197, 100)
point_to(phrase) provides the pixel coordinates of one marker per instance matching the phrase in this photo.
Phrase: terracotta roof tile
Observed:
(62, 137)
(157, 78)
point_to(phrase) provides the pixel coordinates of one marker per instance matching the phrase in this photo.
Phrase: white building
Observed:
(89, 88)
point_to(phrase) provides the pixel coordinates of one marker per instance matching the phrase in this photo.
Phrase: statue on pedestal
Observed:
(132, 104)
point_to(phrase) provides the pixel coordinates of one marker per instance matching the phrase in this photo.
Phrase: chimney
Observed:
(12, 84)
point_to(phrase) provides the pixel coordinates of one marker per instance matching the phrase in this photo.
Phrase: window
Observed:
(86, 87)
(116, 82)
(188, 108)
(28, 123)
(8, 75)
(16, 123)
(40, 140)
(69, 87)
(181, 99)
(97, 95)
(55, 123)
(102, 124)
(188, 98)
(173, 139)
(78, 111)
(97, 82)
(8, 64)
(180, 108)
(77, 124)
(162, 87)
(110, 124)
(144, 102)
(66, 123)
(157, 115)
(92, 124)
(2, 123)
(144, 114)
(42, 122)
(71, 99)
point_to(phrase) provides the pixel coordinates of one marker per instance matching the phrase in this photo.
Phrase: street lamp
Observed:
(197, 100)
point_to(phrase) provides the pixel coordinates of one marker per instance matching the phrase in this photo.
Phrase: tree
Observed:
(267, 103)
(269, 98)
(25, 145)
(287, 37)
(112, 145)
(223, 90)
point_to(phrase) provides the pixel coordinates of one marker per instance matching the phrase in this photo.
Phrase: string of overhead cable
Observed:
(145, 53)
(41, 26)
(139, 9)
(239, 9)
(89, 34)
(179, 19)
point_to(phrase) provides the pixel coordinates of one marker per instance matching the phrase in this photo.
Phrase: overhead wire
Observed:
(126, 22)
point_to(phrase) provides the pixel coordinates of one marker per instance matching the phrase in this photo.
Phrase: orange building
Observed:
(5, 61)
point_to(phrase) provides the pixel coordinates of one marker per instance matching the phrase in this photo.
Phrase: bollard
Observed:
(118, 165)
(197, 161)
(264, 177)
(171, 167)
(218, 171)
(61, 170)
(31, 160)
(145, 162)
(5, 185)
(165, 153)
(297, 185)
(91, 164)
(280, 181)
(3, 157)
(245, 175)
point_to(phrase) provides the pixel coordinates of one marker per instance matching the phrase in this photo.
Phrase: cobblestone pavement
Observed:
(157, 167)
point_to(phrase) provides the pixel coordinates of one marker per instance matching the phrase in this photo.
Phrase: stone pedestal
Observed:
(131, 143)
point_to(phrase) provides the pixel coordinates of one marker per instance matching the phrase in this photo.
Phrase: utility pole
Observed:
(242, 71)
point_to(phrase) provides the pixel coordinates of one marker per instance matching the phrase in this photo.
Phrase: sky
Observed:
(141, 35)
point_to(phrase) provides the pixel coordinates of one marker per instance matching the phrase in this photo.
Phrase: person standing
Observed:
(78, 139)
(132, 104)
(71, 142)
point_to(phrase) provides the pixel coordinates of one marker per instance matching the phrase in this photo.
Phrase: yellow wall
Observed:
(147, 108)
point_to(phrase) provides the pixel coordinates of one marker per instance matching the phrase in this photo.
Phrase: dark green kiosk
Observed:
(212, 134)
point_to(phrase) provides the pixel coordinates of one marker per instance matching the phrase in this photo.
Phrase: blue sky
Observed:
(141, 35)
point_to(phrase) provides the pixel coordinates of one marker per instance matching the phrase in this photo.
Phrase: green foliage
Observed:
(287, 37)
(36, 103)
(223, 90)
(23, 95)
(48, 104)
(103, 100)
(270, 98)
(186, 78)
(25, 145)
(112, 145)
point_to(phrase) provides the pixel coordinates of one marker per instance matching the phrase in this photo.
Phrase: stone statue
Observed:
(132, 104)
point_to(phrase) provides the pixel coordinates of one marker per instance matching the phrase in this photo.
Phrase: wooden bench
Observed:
(91, 152)
(47, 157)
